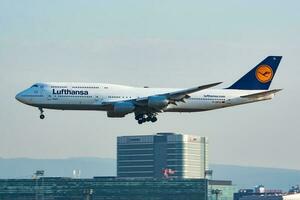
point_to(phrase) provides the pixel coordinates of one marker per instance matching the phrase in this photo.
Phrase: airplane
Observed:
(146, 103)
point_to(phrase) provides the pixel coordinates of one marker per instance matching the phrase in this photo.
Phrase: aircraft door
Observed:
(47, 94)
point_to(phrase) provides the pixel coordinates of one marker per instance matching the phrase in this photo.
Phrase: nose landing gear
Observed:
(42, 116)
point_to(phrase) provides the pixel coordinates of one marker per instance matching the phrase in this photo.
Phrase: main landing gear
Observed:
(42, 116)
(142, 118)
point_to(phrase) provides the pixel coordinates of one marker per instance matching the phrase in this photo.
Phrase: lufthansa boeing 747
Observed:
(145, 102)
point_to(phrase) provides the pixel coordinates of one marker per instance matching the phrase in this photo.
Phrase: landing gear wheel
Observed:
(153, 119)
(147, 117)
(41, 115)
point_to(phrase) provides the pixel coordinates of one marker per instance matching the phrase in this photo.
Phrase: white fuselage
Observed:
(95, 96)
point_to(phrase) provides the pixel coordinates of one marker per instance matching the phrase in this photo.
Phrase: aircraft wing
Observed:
(179, 95)
(171, 97)
(261, 94)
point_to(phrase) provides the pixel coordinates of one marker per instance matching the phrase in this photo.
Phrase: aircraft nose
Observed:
(19, 97)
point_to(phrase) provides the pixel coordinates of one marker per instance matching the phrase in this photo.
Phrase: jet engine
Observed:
(158, 102)
(121, 109)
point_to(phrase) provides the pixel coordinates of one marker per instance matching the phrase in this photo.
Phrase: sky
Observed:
(155, 43)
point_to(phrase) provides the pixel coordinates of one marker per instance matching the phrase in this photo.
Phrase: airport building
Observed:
(162, 155)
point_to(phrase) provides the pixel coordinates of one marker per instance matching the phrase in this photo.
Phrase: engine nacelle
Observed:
(158, 102)
(121, 109)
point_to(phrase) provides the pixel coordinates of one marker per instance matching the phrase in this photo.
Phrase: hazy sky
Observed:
(169, 43)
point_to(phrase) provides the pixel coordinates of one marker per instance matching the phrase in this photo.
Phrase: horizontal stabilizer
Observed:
(261, 94)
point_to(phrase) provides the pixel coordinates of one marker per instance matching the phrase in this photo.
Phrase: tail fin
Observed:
(260, 77)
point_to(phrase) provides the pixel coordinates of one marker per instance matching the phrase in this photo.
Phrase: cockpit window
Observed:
(34, 86)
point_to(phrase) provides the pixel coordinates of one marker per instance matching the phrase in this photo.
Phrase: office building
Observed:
(161, 156)
(112, 188)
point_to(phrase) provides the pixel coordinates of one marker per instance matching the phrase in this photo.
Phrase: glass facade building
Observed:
(148, 156)
(102, 188)
(111, 188)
